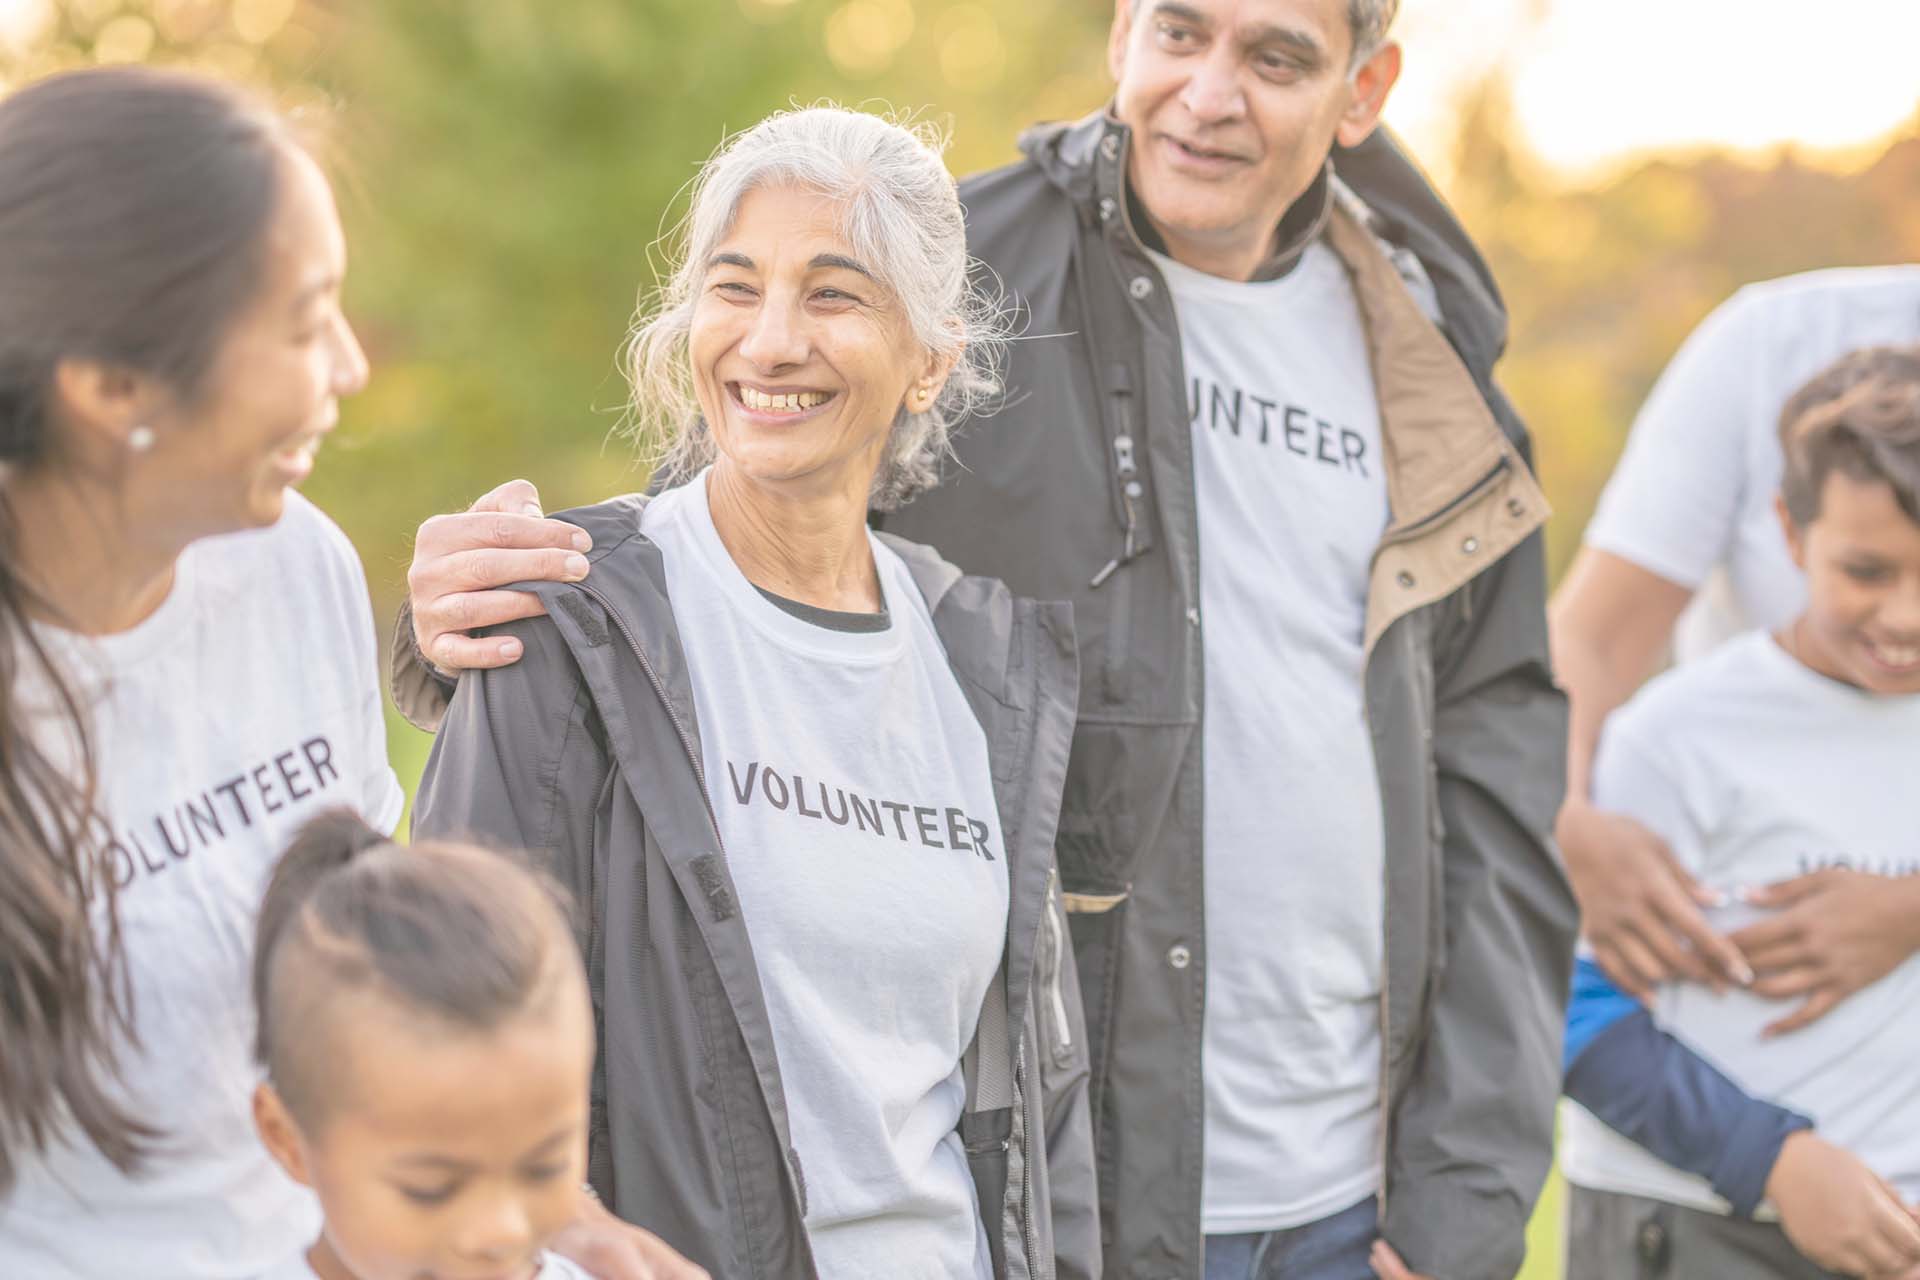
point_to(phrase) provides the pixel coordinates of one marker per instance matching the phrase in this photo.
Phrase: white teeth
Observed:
(787, 402)
(1897, 656)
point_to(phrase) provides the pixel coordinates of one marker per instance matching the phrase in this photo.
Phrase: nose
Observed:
(776, 338)
(350, 360)
(497, 1228)
(1213, 94)
(1899, 613)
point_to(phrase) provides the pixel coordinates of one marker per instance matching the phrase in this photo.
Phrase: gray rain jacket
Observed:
(1082, 488)
(587, 751)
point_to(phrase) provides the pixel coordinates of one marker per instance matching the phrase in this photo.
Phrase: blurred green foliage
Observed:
(506, 167)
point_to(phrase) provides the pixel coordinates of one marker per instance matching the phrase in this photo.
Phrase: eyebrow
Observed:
(1300, 42)
(818, 262)
(429, 1160)
(325, 284)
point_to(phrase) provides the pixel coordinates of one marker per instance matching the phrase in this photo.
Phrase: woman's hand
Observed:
(1836, 931)
(461, 561)
(1387, 1264)
(614, 1250)
(1639, 908)
(1839, 1213)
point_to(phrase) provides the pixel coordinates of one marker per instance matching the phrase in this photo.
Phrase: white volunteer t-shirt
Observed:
(1755, 769)
(852, 788)
(552, 1267)
(1692, 497)
(1292, 501)
(247, 703)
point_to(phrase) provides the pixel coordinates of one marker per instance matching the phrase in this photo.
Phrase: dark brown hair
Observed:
(452, 933)
(1860, 417)
(134, 206)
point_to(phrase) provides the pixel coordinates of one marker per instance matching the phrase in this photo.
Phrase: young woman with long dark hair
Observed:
(186, 666)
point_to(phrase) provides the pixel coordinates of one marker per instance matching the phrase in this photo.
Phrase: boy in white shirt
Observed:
(1705, 1142)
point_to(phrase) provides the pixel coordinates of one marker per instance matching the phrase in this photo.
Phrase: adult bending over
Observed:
(805, 777)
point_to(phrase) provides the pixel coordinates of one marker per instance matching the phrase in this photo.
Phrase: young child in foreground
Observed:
(1707, 1141)
(425, 1026)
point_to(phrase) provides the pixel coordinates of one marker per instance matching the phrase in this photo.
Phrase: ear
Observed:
(926, 388)
(1373, 80)
(279, 1134)
(104, 402)
(1796, 536)
(1117, 37)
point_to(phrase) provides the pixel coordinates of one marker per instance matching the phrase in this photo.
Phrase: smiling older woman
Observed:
(802, 777)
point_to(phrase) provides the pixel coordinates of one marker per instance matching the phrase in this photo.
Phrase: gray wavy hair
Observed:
(1370, 20)
(902, 218)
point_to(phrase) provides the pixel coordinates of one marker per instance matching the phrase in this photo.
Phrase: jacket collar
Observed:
(1089, 159)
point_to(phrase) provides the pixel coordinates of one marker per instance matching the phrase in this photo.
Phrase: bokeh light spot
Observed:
(864, 35)
(127, 38)
(258, 21)
(972, 52)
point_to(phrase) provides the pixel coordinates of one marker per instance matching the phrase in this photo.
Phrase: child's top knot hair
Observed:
(447, 932)
(1859, 416)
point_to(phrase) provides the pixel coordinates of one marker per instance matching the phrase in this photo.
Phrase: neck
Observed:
(809, 546)
(1262, 256)
(83, 550)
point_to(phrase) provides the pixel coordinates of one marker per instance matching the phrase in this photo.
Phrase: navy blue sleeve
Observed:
(1652, 1089)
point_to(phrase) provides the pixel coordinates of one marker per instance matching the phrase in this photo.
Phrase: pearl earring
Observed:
(140, 439)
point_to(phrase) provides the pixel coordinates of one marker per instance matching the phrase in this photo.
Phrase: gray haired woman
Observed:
(804, 778)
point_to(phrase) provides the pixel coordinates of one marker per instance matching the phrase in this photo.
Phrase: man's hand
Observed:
(1839, 1213)
(1836, 932)
(1639, 908)
(460, 562)
(614, 1250)
(1387, 1264)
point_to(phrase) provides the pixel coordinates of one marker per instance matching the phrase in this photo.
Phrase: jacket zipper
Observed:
(1031, 1227)
(1063, 1033)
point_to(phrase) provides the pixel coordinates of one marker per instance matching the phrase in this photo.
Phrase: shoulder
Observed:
(1685, 703)
(302, 553)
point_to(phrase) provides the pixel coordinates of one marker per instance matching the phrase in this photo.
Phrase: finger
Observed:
(1895, 1234)
(1635, 958)
(466, 611)
(517, 496)
(1716, 954)
(454, 652)
(491, 568)
(1775, 943)
(1387, 1264)
(1817, 1007)
(1785, 984)
(1675, 960)
(1784, 893)
(449, 534)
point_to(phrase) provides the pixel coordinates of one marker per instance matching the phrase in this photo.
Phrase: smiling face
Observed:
(1861, 555)
(448, 1154)
(1234, 106)
(801, 358)
(227, 458)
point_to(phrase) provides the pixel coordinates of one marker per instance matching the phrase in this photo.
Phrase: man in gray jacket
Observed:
(1323, 937)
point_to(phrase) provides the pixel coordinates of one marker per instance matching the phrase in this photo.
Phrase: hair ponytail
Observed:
(448, 932)
(134, 206)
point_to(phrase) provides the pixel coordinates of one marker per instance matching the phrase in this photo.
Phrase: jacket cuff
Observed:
(420, 691)
(1652, 1089)
(1746, 1162)
(1443, 1228)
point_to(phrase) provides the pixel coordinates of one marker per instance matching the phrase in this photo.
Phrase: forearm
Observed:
(1649, 1087)
(1608, 625)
